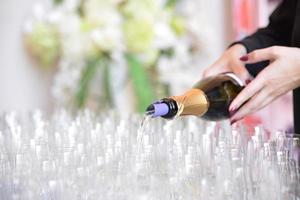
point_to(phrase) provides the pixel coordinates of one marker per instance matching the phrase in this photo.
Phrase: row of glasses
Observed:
(112, 156)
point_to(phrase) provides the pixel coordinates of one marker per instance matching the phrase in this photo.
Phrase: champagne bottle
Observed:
(209, 98)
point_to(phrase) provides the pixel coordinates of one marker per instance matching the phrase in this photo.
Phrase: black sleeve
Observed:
(278, 32)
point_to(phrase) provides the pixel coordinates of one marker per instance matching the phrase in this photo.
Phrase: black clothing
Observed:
(283, 30)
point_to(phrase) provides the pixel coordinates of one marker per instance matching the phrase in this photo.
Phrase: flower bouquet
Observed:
(109, 53)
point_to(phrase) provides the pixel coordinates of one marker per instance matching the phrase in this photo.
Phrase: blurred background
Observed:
(120, 54)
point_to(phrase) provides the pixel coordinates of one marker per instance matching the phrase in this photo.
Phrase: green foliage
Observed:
(168, 52)
(171, 3)
(80, 9)
(141, 83)
(88, 74)
(57, 2)
(106, 85)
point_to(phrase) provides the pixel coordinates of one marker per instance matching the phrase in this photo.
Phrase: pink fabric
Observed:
(245, 17)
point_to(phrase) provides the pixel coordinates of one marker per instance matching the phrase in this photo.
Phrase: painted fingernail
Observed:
(232, 112)
(232, 108)
(233, 121)
(244, 58)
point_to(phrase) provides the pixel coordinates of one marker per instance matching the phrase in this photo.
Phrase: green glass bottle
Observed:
(209, 99)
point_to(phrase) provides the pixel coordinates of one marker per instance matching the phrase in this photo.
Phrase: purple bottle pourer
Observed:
(157, 109)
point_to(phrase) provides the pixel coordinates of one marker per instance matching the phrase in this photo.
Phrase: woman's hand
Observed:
(230, 62)
(279, 77)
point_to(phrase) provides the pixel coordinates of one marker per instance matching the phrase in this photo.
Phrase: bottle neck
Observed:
(193, 102)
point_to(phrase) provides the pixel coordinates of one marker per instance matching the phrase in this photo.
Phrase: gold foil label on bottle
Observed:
(193, 102)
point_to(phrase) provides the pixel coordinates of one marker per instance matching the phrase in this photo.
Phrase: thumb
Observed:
(214, 69)
(259, 55)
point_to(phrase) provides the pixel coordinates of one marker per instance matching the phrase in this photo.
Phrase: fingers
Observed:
(260, 55)
(256, 95)
(249, 91)
(243, 74)
(257, 102)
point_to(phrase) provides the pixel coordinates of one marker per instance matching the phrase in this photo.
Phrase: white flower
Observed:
(69, 23)
(102, 13)
(116, 2)
(76, 44)
(171, 68)
(107, 38)
(55, 16)
(164, 36)
(142, 8)
(142, 27)
(39, 12)
(70, 5)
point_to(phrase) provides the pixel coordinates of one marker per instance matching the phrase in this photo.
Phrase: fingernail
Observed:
(233, 121)
(232, 108)
(232, 112)
(244, 58)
